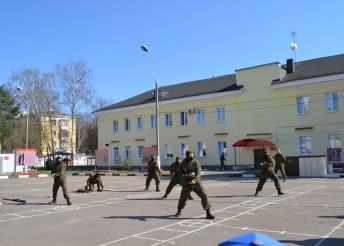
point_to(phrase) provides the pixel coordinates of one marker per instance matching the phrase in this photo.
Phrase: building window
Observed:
(183, 118)
(168, 120)
(169, 151)
(183, 148)
(53, 122)
(220, 114)
(54, 133)
(64, 122)
(139, 152)
(153, 121)
(221, 147)
(202, 149)
(334, 141)
(114, 126)
(302, 106)
(200, 116)
(305, 145)
(127, 153)
(139, 123)
(115, 154)
(127, 125)
(332, 102)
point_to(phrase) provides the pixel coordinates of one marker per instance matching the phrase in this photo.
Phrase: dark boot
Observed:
(285, 179)
(68, 202)
(53, 201)
(157, 188)
(256, 194)
(179, 213)
(146, 189)
(190, 197)
(280, 192)
(209, 215)
(165, 196)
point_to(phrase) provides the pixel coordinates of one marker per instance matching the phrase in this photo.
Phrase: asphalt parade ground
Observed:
(310, 213)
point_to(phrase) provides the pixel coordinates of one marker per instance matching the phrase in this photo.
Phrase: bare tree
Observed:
(75, 80)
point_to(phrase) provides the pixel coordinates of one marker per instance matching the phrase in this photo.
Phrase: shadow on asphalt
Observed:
(311, 242)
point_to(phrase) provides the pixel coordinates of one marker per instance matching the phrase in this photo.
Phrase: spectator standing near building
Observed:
(222, 161)
(190, 173)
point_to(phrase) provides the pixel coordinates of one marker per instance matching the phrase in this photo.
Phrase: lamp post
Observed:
(27, 118)
(145, 49)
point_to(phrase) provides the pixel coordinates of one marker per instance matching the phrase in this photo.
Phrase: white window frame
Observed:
(139, 123)
(115, 126)
(183, 148)
(221, 147)
(153, 121)
(127, 124)
(168, 151)
(202, 149)
(115, 153)
(302, 105)
(139, 152)
(168, 120)
(332, 102)
(183, 118)
(127, 152)
(220, 114)
(334, 141)
(305, 144)
(200, 116)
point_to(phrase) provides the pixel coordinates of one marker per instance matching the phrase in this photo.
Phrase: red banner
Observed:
(102, 157)
(147, 152)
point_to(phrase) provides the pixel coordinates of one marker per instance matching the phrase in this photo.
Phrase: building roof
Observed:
(187, 89)
(318, 67)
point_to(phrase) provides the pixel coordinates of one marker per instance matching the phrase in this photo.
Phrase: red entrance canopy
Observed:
(253, 142)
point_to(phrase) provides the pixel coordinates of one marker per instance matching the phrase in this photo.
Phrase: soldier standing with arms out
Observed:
(58, 172)
(190, 172)
(153, 173)
(175, 177)
(222, 161)
(280, 164)
(267, 164)
(95, 179)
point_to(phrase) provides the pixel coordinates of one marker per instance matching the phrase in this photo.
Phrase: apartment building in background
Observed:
(296, 106)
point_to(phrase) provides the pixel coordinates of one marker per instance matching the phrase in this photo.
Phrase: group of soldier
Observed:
(186, 172)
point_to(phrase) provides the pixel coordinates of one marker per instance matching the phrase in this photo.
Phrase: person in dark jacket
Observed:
(153, 173)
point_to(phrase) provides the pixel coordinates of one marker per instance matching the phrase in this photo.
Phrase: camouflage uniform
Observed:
(268, 165)
(222, 161)
(59, 173)
(153, 173)
(95, 179)
(280, 165)
(190, 172)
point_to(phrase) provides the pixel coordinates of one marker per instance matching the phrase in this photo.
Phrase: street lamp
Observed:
(145, 49)
(27, 117)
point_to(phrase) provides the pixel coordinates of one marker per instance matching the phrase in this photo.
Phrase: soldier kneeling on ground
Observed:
(95, 179)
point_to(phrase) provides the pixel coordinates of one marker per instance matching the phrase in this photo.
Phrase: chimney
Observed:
(290, 66)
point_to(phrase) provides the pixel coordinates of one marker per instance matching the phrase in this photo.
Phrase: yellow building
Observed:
(297, 107)
(59, 134)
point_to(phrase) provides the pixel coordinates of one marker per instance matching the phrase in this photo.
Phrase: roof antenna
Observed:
(293, 45)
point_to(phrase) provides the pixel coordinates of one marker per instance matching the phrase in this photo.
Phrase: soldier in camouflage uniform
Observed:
(153, 173)
(190, 172)
(58, 172)
(175, 177)
(280, 164)
(95, 179)
(267, 164)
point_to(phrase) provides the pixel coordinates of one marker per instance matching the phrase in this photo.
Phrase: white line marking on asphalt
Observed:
(330, 233)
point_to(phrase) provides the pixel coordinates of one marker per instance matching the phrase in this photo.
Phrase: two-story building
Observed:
(297, 107)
